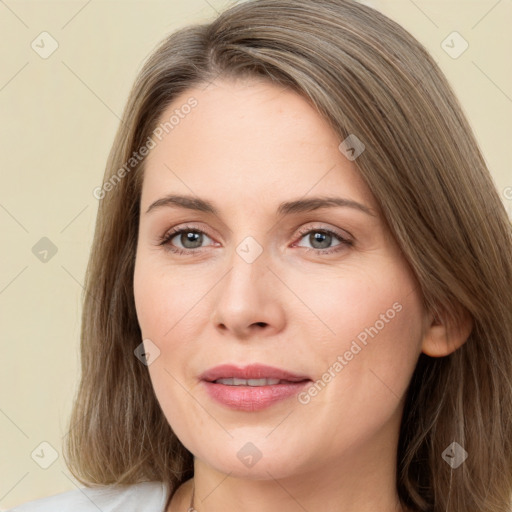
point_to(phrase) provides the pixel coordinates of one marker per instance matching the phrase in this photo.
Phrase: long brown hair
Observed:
(369, 77)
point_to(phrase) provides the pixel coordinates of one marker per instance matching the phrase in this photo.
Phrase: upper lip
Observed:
(253, 371)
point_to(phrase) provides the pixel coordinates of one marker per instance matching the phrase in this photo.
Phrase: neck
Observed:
(365, 486)
(360, 479)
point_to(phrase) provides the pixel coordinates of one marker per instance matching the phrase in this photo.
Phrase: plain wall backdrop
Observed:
(59, 112)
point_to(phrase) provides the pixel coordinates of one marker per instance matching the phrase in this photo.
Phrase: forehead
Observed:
(248, 139)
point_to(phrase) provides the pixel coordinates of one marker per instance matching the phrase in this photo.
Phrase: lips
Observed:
(251, 372)
(253, 387)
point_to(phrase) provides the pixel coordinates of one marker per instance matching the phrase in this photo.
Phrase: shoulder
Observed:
(141, 497)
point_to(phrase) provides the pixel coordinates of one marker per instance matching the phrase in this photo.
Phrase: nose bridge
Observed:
(249, 264)
(246, 296)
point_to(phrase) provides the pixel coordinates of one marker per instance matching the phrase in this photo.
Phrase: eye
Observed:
(187, 240)
(321, 240)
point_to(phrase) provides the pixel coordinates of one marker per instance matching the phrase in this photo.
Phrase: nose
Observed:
(249, 300)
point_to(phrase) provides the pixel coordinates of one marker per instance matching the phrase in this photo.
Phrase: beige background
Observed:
(58, 120)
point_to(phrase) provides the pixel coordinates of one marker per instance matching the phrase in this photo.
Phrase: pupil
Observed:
(322, 238)
(193, 237)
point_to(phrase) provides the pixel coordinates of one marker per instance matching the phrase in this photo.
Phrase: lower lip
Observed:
(253, 398)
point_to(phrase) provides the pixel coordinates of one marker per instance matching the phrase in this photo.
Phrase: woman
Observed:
(299, 295)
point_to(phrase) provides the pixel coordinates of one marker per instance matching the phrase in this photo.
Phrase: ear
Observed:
(444, 334)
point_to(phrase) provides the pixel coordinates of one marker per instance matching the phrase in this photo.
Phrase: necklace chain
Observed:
(191, 507)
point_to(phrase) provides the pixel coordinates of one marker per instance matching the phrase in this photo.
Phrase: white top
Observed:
(142, 497)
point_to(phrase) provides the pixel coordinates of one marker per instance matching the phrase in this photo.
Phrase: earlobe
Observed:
(445, 335)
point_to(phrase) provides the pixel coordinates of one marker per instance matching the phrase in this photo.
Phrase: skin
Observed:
(247, 147)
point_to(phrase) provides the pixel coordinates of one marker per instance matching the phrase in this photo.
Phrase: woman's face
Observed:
(268, 274)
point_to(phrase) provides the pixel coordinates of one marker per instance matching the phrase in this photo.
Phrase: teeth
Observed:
(248, 382)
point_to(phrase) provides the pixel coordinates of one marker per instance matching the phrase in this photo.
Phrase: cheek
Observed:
(171, 313)
(364, 369)
(356, 304)
(161, 301)
(145, 296)
(367, 327)
(162, 298)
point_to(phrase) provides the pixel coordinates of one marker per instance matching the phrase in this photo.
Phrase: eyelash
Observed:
(167, 237)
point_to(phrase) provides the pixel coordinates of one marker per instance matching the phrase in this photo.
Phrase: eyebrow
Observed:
(285, 208)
